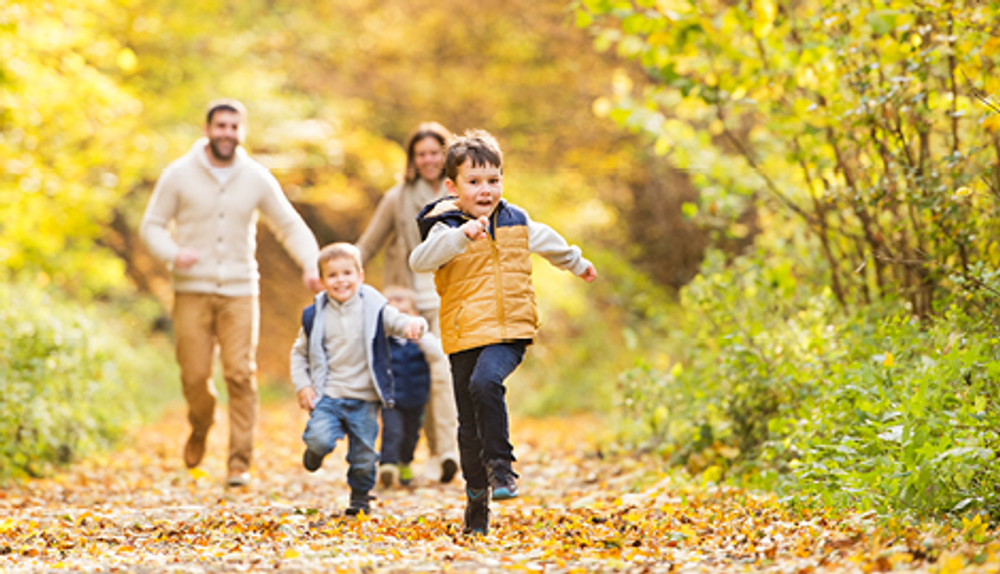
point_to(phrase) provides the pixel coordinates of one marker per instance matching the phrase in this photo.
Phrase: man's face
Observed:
(478, 189)
(223, 133)
(341, 278)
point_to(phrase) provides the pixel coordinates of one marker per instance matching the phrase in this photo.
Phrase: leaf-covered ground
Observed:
(139, 510)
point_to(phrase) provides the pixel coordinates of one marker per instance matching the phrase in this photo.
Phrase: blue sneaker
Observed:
(502, 479)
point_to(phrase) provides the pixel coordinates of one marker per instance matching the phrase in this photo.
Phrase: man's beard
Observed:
(213, 144)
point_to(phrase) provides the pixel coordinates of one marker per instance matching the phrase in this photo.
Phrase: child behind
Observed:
(479, 248)
(340, 367)
(411, 372)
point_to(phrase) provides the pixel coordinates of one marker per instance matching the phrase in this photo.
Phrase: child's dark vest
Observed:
(410, 373)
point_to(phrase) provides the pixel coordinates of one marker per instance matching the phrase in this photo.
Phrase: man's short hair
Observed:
(228, 105)
(477, 147)
(338, 251)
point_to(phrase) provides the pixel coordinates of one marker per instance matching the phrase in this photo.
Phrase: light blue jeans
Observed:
(333, 419)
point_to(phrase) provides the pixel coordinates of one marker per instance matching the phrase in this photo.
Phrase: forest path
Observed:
(139, 510)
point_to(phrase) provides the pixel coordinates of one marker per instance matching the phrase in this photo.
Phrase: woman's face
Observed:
(428, 156)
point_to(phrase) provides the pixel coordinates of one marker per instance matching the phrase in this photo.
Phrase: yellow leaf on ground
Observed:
(198, 474)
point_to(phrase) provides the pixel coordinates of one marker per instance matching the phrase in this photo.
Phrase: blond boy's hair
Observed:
(338, 251)
(399, 292)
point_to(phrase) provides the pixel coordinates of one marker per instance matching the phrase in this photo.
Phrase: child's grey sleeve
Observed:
(431, 347)
(299, 362)
(546, 242)
(395, 321)
(443, 244)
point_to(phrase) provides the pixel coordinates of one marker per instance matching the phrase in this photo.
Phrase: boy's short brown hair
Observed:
(338, 251)
(476, 146)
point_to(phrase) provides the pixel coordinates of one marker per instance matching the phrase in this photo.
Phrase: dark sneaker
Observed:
(311, 460)
(360, 502)
(405, 475)
(502, 479)
(477, 512)
(449, 468)
(388, 474)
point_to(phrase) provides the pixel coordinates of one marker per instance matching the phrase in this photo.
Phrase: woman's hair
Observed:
(424, 130)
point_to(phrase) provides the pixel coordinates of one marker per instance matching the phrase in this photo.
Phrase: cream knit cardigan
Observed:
(189, 208)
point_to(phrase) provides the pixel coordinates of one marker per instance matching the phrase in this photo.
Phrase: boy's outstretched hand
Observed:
(476, 228)
(306, 398)
(414, 329)
(589, 274)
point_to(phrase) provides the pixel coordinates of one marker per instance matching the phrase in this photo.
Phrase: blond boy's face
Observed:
(404, 304)
(478, 189)
(341, 278)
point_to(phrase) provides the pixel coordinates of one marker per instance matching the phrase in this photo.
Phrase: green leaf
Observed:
(881, 21)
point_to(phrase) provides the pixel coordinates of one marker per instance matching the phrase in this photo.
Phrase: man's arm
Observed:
(160, 211)
(443, 244)
(291, 231)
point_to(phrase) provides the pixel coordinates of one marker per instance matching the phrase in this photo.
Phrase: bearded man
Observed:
(202, 221)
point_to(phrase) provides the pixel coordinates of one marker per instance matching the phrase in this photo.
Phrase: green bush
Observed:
(72, 380)
(907, 421)
(775, 385)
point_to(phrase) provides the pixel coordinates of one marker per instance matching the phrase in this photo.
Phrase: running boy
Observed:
(479, 248)
(414, 365)
(340, 367)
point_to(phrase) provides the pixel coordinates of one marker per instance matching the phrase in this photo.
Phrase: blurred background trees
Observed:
(849, 355)
(792, 204)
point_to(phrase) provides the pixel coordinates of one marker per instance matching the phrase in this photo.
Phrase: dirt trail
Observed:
(139, 510)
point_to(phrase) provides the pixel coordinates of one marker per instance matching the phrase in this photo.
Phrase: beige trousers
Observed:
(202, 321)
(440, 414)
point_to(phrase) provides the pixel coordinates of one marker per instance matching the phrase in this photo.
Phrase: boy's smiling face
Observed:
(341, 278)
(478, 188)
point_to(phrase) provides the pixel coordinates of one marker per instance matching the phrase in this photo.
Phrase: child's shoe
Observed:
(311, 461)
(449, 467)
(477, 512)
(405, 475)
(502, 479)
(388, 474)
(360, 502)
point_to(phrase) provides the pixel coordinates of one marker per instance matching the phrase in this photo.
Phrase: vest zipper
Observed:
(499, 285)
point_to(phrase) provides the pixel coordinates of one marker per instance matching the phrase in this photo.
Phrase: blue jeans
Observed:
(333, 419)
(483, 428)
(400, 433)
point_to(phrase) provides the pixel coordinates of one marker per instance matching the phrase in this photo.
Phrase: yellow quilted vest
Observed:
(486, 292)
